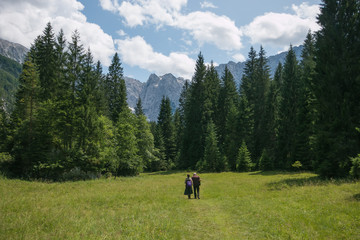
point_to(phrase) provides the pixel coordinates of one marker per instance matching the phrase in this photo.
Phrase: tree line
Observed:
(72, 120)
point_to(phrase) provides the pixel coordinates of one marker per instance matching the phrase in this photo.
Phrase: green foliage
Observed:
(355, 168)
(9, 73)
(297, 165)
(167, 130)
(128, 161)
(213, 160)
(337, 87)
(265, 162)
(243, 161)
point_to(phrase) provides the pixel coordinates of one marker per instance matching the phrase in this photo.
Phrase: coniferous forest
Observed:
(72, 121)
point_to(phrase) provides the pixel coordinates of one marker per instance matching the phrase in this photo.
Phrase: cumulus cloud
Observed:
(22, 21)
(207, 4)
(204, 27)
(207, 27)
(282, 29)
(140, 12)
(239, 57)
(137, 52)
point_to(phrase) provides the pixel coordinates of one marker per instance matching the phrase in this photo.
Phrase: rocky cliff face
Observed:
(13, 51)
(152, 92)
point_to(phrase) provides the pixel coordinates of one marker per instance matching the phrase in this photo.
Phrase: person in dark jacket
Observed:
(188, 186)
(196, 182)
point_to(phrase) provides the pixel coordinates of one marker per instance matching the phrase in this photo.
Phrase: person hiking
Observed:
(188, 186)
(196, 182)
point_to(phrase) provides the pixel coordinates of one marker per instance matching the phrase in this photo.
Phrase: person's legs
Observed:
(197, 191)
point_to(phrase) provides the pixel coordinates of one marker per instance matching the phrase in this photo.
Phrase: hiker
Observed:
(188, 186)
(196, 182)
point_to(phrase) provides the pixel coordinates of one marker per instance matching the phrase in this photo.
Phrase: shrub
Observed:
(355, 169)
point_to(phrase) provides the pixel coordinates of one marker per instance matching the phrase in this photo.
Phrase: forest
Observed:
(71, 121)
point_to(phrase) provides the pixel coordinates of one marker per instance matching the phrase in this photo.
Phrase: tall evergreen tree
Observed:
(116, 89)
(337, 87)
(139, 108)
(165, 123)
(305, 106)
(24, 116)
(247, 93)
(212, 160)
(193, 142)
(261, 89)
(228, 114)
(288, 111)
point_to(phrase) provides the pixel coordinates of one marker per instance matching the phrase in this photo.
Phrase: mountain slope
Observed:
(13, 51)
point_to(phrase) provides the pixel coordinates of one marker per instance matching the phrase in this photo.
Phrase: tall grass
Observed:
(152, 206)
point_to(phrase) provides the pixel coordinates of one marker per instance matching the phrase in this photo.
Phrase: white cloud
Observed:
(140, 12)
(282, 29)
(121, 33)
(204, 27)
(239, 57)
(207, 4)
(22, 21)
(137, 52)
(207, 27)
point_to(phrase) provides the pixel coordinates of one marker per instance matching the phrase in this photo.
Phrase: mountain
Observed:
(9, 73)
(152, 92)
(237, 68)
(13, 51)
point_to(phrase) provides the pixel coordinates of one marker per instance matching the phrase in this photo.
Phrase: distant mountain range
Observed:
(151, 91)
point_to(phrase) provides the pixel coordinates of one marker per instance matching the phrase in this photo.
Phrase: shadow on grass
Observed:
(309, 181)
(356, 197)
(272, 173)
(165, 172)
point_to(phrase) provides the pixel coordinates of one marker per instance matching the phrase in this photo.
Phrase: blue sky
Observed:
(161, 36)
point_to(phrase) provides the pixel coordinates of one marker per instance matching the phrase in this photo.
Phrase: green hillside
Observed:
(9, 73)
(256, 205)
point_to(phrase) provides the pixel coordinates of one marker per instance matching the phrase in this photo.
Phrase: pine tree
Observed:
(247, 93)
(337, 87)
(23, 118)
(165, 123)
(243, 160)
(212, 160)
(129, 162)
(139, 109)
(116, 89)
(193, 142)
(272, 113)
(261, 89)
(45, 59)
(228, 103)
(305, 106)
(288, 111)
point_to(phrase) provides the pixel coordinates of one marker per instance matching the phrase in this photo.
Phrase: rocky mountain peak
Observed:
(13, 51)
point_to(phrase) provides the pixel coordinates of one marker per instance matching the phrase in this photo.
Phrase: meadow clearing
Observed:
(256, 205)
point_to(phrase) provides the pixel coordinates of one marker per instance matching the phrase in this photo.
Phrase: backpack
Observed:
(188, 183)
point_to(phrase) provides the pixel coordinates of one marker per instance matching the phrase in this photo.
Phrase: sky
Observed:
(164, 36)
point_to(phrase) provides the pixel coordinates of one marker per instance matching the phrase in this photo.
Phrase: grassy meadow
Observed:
(256, 205)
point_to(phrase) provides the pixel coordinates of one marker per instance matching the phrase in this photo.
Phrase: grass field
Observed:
(152, 206)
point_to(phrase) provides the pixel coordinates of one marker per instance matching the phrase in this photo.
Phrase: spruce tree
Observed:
(243, 160)
(193, 141)
(337, 87)
(165, 123)
(116, 89)
(212, 160)
(288, 111)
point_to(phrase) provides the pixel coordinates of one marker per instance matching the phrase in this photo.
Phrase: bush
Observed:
(6, 160)
(355, 169)
(77, 174)
(243, 161)
(265, 162)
